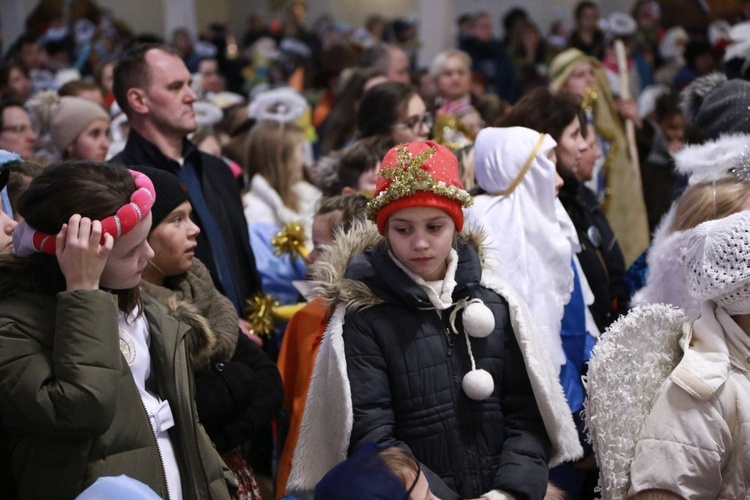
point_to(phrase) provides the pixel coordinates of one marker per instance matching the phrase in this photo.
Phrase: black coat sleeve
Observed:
(523, 470)
(237, 398)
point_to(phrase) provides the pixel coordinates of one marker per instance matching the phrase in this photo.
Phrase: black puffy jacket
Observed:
(405, 367)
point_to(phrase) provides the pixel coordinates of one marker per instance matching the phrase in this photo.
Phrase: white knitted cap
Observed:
(718, 262)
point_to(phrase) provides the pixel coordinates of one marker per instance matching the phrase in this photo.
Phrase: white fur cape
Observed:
(327, 420)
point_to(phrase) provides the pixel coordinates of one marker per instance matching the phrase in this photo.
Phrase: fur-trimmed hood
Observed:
(712, 160)
(329, 272)
(200, 340)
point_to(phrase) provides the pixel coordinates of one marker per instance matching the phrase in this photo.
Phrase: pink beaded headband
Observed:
(27, 241)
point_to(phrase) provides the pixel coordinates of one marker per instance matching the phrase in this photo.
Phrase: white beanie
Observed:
(718, 262)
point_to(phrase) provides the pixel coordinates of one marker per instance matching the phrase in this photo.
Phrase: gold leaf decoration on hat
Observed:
(260, 314)
(291, 241)
(407, 177)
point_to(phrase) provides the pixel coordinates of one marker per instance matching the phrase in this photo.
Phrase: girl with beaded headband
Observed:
(95, 379)
(426, 350)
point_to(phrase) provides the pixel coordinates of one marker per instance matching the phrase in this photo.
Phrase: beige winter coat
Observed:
(696, 441)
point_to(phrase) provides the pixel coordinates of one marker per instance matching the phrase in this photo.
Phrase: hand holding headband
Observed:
(27, 241)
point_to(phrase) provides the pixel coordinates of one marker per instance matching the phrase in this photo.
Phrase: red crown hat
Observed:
(418, 174)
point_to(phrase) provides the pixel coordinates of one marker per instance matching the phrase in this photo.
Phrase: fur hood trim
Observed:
(328, 272)
(200, 340)
(712, 160)
(327, 420)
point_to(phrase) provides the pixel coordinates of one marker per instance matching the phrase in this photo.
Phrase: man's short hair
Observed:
(132, 71)
(436, 66)
(377, 56)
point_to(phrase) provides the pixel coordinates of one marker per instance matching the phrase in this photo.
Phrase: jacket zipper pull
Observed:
(449, 336)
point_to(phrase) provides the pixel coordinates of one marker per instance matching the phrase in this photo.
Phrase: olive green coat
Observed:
(71, 406)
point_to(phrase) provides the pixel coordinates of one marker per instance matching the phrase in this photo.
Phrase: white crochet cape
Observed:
(627, 368)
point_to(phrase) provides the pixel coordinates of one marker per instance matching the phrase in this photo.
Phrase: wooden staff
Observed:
(622, 65)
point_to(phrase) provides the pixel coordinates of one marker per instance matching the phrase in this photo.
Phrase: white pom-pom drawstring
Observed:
(477, 384)
(477, 318)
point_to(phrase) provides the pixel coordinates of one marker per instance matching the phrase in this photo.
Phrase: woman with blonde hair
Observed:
(275, 158)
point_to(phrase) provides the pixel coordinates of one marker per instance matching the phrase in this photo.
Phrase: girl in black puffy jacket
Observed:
(427, 351)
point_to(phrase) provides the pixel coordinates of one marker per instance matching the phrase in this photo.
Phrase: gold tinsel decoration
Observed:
(452, 132)
(291, 241)
(407, 177)
(589, 99)
(260, 314)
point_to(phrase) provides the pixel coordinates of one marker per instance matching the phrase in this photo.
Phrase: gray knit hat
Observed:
(718, 262)
(726, 109)
(63, 117)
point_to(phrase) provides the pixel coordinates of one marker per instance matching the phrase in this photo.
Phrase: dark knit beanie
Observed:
(170, 192)
(725, 110)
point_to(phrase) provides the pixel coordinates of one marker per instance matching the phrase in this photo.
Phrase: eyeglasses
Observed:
(415, 123)
(17, 129)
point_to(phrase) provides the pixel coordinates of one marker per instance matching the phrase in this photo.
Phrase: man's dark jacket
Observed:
(222, 194)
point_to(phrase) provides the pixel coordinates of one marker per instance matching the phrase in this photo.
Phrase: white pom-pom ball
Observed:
(478, 320)
(478, 384)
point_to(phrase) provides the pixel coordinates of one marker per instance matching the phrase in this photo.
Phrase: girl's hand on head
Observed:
(80, 253)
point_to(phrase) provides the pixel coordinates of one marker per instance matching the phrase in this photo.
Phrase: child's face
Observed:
(421, 239)
(321, 232)
(6, 231)
(673, 127)
(422, 491)
(473, 120)
(297, 162)
(367, 180)
(174, 241)
(128, 258)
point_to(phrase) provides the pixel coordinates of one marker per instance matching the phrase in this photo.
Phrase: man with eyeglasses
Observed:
(16, 133)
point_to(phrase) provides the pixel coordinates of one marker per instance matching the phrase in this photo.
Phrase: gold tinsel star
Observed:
(407, 177)
(291, 241)
(260, 313)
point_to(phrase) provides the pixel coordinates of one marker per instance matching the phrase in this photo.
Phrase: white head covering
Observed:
(718, 262)
(529, 233)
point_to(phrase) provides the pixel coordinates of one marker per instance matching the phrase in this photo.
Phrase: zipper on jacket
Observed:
(463, 414)
(194, 411)
(156, 442)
